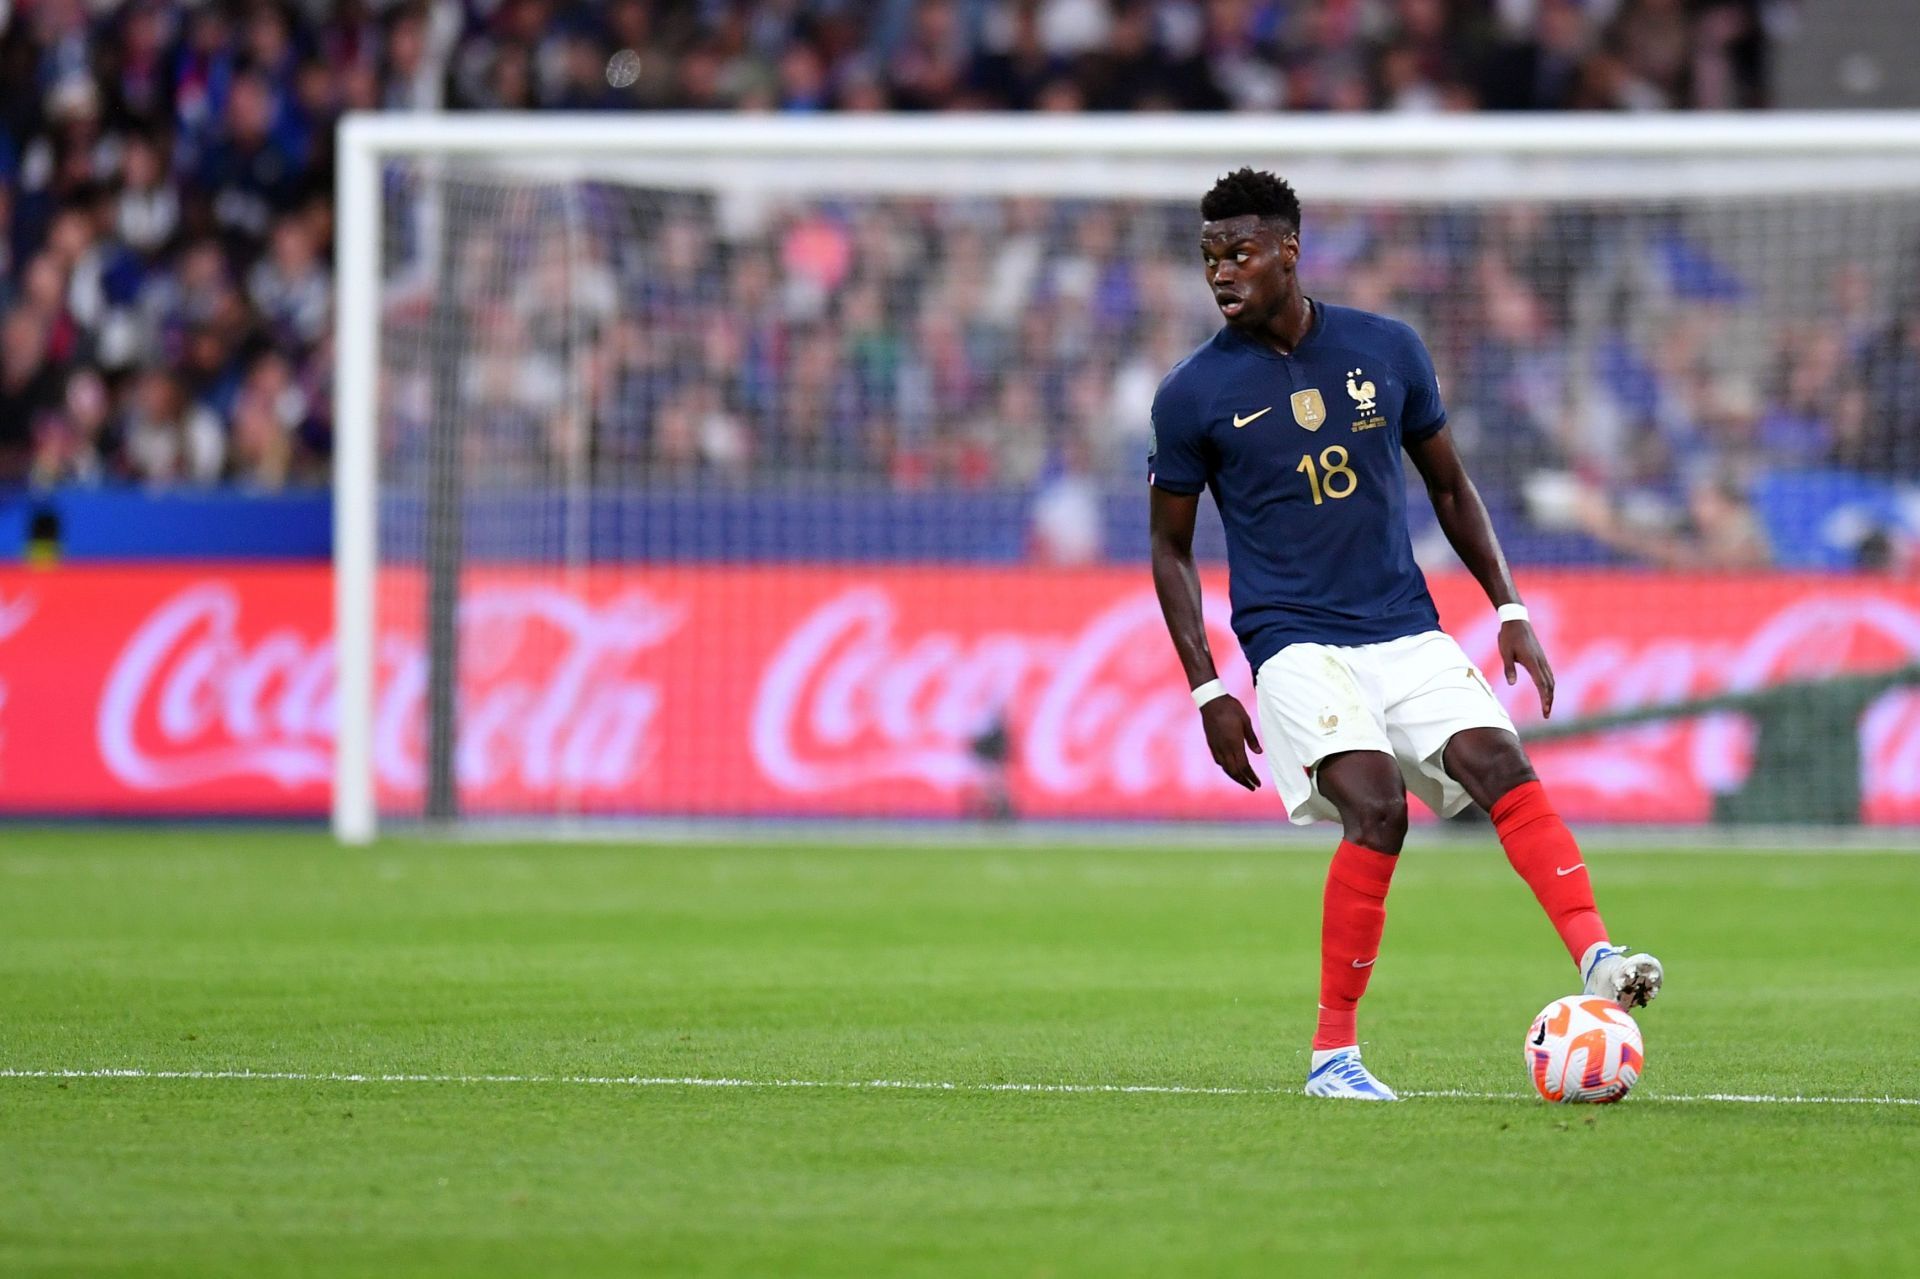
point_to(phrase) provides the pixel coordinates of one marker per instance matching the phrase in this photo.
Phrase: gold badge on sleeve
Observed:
(1309, 410)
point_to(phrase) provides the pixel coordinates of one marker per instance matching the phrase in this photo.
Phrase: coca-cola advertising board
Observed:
(845, 691)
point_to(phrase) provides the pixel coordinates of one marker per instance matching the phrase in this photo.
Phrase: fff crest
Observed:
(1362, 392)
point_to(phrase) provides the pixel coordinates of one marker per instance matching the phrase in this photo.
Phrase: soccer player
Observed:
(1294, 415)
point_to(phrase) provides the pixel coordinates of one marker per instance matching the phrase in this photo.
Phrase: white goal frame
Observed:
(1431, 158)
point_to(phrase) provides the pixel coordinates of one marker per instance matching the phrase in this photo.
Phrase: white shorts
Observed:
(1406, 697)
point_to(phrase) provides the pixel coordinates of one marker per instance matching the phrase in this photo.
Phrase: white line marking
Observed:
(879, 1085)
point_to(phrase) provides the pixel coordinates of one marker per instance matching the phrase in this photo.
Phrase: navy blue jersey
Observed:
(1302, 453)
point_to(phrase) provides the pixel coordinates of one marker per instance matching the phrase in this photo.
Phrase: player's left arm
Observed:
(1464, 519)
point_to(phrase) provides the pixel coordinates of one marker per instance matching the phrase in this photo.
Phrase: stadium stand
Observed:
(166, 222)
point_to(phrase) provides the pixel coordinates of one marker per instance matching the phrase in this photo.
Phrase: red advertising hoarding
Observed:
(844, 691)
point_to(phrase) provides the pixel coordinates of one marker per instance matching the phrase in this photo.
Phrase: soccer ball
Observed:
(1583, 1048)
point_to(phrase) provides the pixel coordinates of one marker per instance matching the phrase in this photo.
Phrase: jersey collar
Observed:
(1261, 349)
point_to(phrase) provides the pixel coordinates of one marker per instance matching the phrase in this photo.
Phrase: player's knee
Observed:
(1488, 764)
(1378, 822)
(1505, 771)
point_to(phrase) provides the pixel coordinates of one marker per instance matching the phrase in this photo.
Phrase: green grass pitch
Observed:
(214, 950)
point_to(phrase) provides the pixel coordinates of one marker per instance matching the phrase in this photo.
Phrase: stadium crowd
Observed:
(1605, 373)
(166, 228)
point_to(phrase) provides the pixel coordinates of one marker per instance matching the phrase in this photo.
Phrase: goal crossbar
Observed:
(1704, 133)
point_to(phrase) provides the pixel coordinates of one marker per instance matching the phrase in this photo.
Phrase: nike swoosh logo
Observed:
(1367, 964)
(1569, 870)
(1239, 421)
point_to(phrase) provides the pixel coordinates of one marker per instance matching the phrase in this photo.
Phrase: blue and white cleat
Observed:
(1337, 1072)
(1629, 978)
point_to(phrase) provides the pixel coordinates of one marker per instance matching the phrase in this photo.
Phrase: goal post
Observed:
(568, 477)
(356, 476)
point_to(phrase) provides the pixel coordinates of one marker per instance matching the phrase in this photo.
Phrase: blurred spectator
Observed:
(168, 437)
(70, 445)
(290, 288)
(1717, 530)
(1538, 68)
(1069, 526)
(29, 387)
(148, 210)
(249, 173)
(929, 69)
(1813, 404)
(1515, 380)
(267, 412)
(1887, 439)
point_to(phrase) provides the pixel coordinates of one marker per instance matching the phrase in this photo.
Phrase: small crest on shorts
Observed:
(1309, 410)
(1329, 722)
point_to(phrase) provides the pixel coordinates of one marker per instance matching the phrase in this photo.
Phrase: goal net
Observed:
(796, 468)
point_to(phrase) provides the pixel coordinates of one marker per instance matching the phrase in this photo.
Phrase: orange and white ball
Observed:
(1583, 1048)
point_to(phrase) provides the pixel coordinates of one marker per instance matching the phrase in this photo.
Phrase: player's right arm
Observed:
(1179, 462)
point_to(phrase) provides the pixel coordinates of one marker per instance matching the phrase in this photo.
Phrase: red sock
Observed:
(1354, 913)
(1541, 848)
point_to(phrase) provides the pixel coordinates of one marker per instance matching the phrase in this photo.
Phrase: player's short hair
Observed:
(1254, 191)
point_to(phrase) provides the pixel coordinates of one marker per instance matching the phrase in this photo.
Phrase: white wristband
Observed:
(1208, 691)
(1512, 613)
